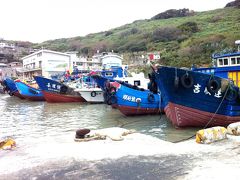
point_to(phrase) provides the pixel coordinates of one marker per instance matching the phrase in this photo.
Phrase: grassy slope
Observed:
(218, 29)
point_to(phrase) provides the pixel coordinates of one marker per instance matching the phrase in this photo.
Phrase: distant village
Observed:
(48, 63)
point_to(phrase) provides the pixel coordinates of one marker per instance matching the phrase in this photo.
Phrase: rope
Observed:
(160, 105)
(210, 119)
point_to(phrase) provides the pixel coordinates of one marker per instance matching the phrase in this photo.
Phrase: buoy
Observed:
(206, 136)
(234, 129)
(7, 144)
(80, 133)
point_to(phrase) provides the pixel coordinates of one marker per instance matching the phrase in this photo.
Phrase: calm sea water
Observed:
(33, 123)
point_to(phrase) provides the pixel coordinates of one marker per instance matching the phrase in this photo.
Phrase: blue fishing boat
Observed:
(55, 91)
(197, 99)
(11, 88)
(131, 100)
(29, 92)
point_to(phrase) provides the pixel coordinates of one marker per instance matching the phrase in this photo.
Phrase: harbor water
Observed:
(37, 125)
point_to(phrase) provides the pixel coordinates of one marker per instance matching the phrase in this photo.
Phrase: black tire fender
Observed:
(151, 97)
(187, 81)
(213, 86)
(63, 89)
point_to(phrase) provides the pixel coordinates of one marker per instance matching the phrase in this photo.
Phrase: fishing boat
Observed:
(11, 88)
(88, 89)
(55, 91)
(197, 99)
(131, 100)
(29, 92)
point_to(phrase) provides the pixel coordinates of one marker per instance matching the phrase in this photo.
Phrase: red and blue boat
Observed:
(11, 87)
(195, 99)
(29, 92)
(55, 91)
(132, 101)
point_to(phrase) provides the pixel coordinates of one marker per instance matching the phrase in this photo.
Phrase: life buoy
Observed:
(232, 94)
(93, 93)
(150, 97)
(112, 90)
(213, 86)
(63, 89)
(187, 81)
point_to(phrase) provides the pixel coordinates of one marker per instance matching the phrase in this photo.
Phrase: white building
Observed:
(45, 63)
(6, 45)
(97, 62)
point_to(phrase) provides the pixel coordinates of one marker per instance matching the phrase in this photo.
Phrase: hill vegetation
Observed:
(182, 41)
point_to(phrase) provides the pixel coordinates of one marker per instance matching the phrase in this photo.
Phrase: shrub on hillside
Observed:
(190, 27)
(173, 13)
(166, 34)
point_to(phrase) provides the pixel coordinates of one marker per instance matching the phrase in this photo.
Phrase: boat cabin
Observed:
(225, 66)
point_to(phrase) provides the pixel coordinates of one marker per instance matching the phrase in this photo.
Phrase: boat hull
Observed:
(29, 92)
(132, 101)
(182, 116)
(194, 99)
(61, 98)
(55, 91)
(91, 95)
(134, 111)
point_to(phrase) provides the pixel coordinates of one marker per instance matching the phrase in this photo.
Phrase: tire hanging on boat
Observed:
(63, 89)
(213, 86)
(150, 97)
(187, 81)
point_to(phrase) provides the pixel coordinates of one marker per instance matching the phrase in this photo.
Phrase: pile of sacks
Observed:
(206, 136)
(7, 144)
(115, 134)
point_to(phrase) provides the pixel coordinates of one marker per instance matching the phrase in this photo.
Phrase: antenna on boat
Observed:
(237, 42)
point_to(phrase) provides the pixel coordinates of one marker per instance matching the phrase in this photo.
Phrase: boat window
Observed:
(126, 81)
(238, 60)
(220, 62)
(109, 74)
(233, 60)
(208, 71)
(225, 61)
(137, 83)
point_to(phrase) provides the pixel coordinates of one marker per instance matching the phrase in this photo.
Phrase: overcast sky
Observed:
(41, 20)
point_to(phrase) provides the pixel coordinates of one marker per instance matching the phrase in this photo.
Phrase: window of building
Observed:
(220, 62)
(40, 64)
(225, 61)
(39, 54)
(137, 83)
(233, 61)
(90, 64)
(79, 63)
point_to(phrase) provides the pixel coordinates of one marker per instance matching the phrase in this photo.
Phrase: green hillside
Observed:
(182, 41)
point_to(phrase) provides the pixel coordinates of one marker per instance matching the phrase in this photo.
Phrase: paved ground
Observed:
(140, 167)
